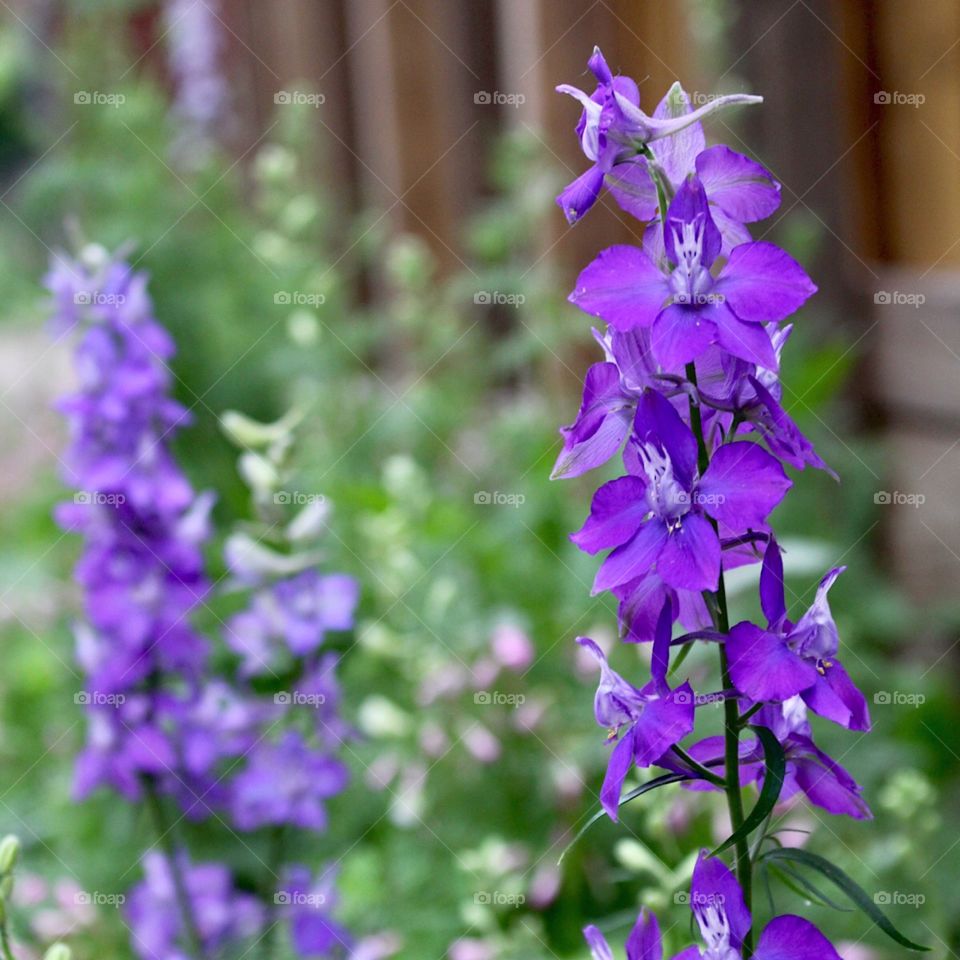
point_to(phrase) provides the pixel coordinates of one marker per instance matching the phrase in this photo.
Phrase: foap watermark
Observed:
(699, 699)
(683, 898)
(498, 98)
(95, 98)
(486, 698)
(701, 499)
(298, 497)
(497, 498)
(898, 498)
(699, 299)
(97, 898)
(298, 298)
(301, 98)
(298, 898)
(899, 698)
(98, 498)
(498, 298)
(899, 298)
(297, 698)
(499, 898)
(97, 298)
(97, 698)
(899, 99)
(898, 898)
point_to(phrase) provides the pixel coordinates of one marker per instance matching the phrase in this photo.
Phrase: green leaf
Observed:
(776, 768)
(850, 887)
(626, 798)
(800, 885)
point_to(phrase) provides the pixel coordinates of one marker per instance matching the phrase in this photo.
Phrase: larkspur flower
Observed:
(613, 128)
(651, 719)
(687, 309)
(786, 658)
(656, 516)
(739, 189)
(223, 915)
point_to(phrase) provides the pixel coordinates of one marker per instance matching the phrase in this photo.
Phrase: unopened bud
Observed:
(9, 851)
(59, 951)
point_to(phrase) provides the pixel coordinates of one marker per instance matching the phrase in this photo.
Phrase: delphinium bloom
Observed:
(689, 397)
(169, 723)
(613, 129)
(723, 920)
(222, 914)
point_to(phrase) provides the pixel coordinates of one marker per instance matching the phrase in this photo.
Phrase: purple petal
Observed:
(793, 938)
(663, 723)
(634, 558)
(742, 485)
(616, 513)
(623, 287)
(828, 786)
(738, 185)
(661, 648)
(748, 341)
(834, 696)
(677, 154)
(763, 667)
(618, 766)
(599, 948)
(644, 941)
(690, 559)
(714, 886)
(762, 282)
(601, 425)
(733, 231)
(641, 602)
(772, 600)
(658, 421)
(633, 189)
(690, 206)
(578, 197)
(681, 333)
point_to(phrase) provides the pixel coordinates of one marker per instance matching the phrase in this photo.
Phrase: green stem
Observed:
(662, 202)
(704, 772)
(275, 859)
(165, 834)
(5, 937)
(731, 709)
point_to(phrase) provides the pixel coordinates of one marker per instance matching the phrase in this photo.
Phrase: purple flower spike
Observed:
(689, 309)
(788, 659)
(655, 516)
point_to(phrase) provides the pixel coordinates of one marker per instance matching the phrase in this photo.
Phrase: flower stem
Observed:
(731, 709)
(165, 834)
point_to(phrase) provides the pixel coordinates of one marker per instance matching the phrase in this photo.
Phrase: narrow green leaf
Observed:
(850, 887)
(800, 885)
(776, 767)
(626, 798)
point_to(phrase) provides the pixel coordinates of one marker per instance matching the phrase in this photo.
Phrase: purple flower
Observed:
(688, 309)
(643, 943)
(292, 616)
(655, 516)
(222, 914)
(655, 717)
(613, 128)
(309, 905)
(788, 659)
(286, 782)
(739, 189)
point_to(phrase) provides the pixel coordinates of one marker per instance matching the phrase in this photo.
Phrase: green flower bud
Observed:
(59, 951)
(9, 851)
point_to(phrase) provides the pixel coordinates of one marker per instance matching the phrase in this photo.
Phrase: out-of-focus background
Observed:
(348, 204)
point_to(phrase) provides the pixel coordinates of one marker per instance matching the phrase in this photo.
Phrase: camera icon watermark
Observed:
(899, 298)
(487, 698)
(298, 298)
(302, 98)
(94, 98)
(897, 498)
(497, 498)
(899, 698)
(498, 298)
(499, 99)
(898, 98)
